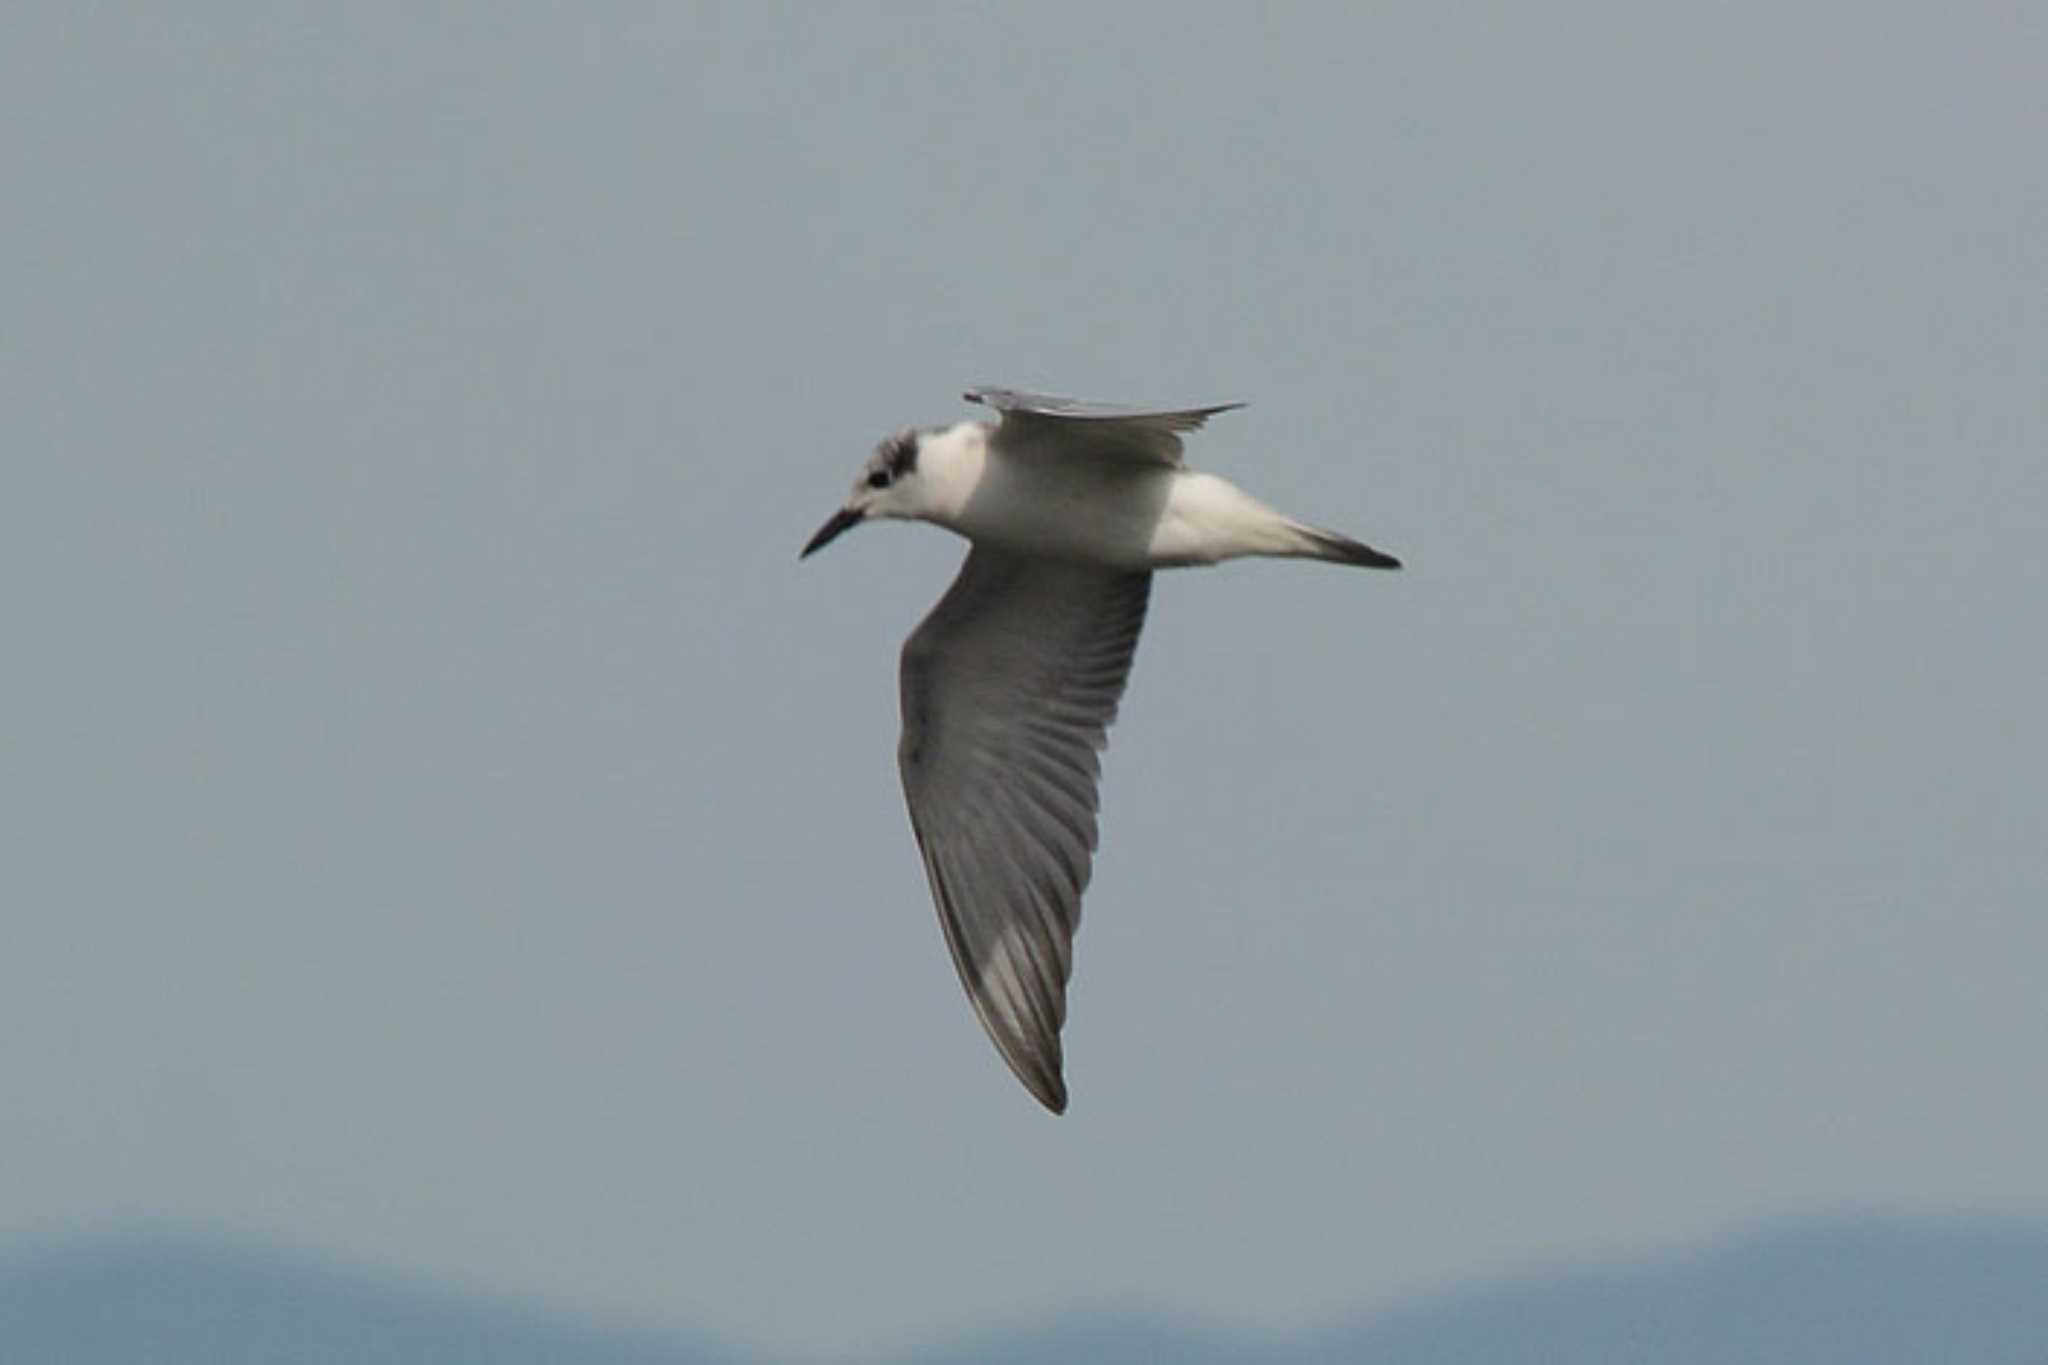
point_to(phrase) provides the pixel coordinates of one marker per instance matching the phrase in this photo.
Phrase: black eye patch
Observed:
(878, 478)
(902, 455)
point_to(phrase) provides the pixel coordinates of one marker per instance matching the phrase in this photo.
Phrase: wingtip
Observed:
(1043, 1075)
(1045, 1079)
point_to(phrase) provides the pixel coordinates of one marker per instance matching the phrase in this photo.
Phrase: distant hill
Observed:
(171, 1303)
(1842, 1295)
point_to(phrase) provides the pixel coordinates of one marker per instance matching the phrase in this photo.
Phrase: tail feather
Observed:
(1341, 549)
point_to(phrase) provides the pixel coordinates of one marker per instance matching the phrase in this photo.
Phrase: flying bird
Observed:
(1010, 684)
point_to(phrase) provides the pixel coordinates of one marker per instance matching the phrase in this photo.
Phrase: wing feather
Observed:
(1038, 421)
(1009, 688)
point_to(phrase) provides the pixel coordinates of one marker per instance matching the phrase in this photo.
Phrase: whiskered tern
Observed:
(1009, 686)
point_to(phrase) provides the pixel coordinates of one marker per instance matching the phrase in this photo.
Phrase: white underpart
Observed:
(1082, 510)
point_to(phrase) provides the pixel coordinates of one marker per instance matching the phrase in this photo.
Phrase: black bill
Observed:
(842, 519)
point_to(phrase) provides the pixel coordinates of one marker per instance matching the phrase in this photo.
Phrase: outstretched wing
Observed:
(1009, 688)
(1033, 421)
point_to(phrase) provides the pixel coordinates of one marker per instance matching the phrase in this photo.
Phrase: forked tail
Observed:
(1338, 549)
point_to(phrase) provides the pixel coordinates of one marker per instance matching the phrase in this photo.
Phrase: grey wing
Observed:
(1009, 688)
(1146, 435)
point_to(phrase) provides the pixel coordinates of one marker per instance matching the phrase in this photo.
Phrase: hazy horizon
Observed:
(1854, 1290)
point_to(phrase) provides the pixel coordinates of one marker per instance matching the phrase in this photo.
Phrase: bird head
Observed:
(888, 486)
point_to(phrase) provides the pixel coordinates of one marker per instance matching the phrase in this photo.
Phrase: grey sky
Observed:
(441, 825)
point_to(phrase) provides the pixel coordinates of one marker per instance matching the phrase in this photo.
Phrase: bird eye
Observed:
(878, 479)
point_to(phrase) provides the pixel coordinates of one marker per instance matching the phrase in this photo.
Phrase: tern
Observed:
(1010, 684)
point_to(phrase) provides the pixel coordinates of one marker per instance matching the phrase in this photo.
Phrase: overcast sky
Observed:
(443, 828)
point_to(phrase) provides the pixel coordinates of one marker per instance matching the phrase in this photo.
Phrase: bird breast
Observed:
(1090, 512)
